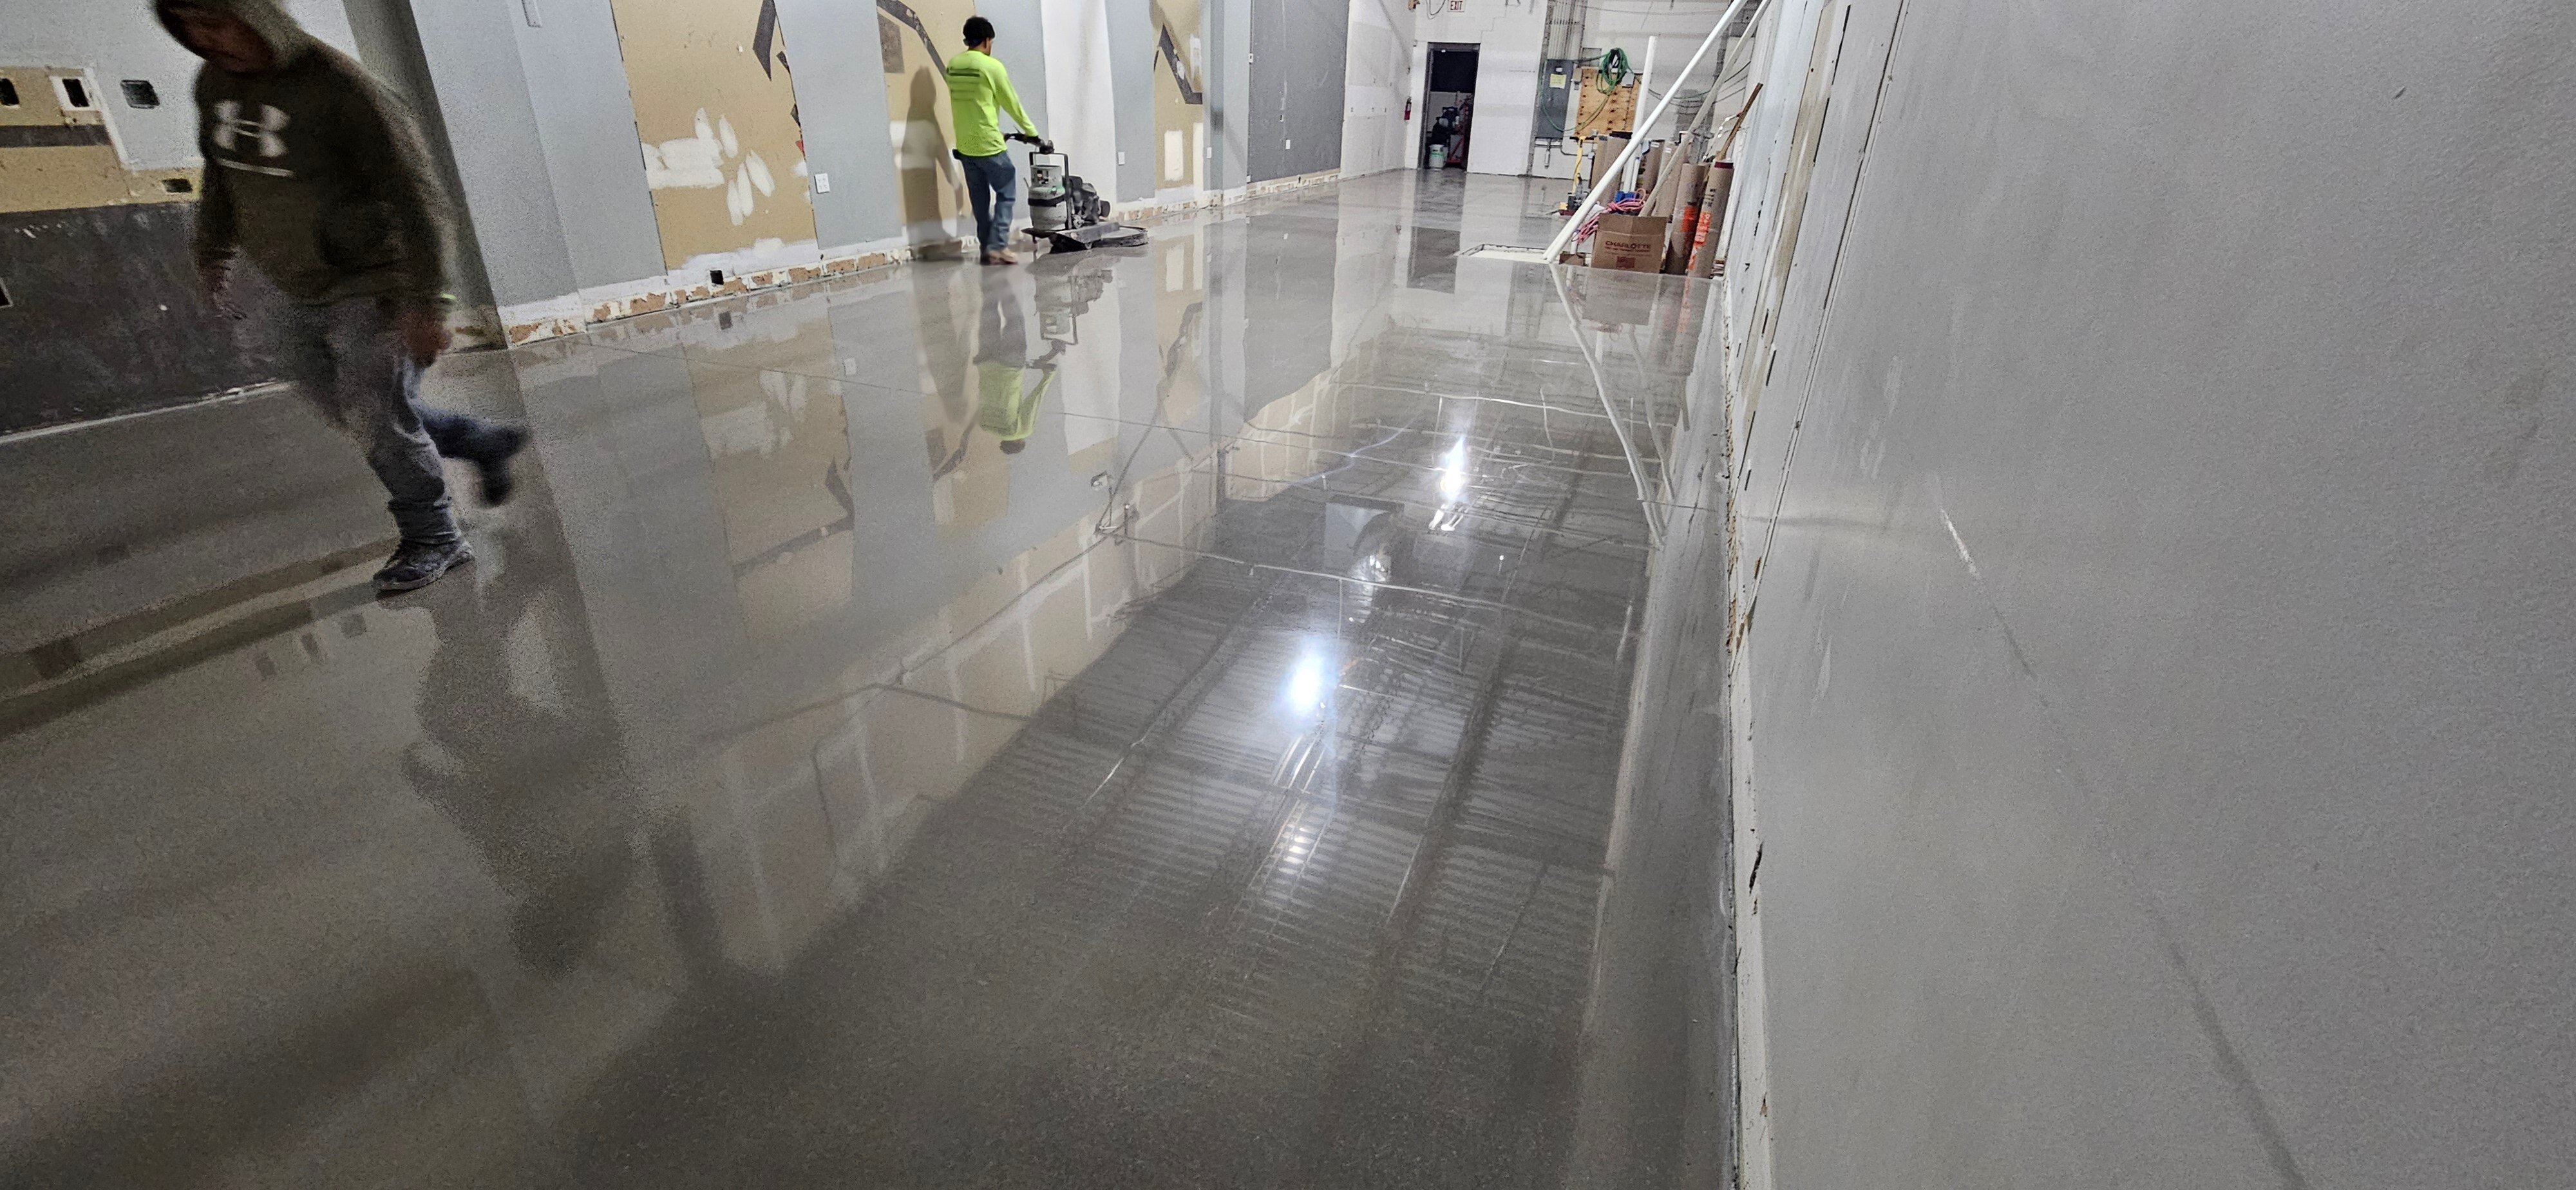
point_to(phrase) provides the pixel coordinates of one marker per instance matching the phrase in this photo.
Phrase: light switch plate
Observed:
(1122, 157)
(822, 183)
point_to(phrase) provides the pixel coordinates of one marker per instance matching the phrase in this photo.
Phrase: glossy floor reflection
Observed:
(1146, 718)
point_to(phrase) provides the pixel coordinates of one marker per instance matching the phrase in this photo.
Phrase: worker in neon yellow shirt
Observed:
(1006, 407)
(977, 86)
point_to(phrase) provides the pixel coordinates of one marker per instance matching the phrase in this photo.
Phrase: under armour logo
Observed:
(230, 128)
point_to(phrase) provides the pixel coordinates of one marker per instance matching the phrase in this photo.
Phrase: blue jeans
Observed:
(992, 185)
(348, 359)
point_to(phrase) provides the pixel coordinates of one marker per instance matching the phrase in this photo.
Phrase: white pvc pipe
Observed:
(1645, 87)
(1556, 247)
(1618, 428)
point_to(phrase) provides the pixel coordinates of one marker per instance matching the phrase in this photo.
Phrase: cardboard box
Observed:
(1632, 242)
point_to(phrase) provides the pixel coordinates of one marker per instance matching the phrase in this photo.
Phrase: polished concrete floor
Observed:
(1145, 718)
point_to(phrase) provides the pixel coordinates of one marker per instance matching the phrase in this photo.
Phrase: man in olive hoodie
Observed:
(317, 175)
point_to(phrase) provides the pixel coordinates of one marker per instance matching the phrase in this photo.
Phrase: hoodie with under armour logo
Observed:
(314, 172)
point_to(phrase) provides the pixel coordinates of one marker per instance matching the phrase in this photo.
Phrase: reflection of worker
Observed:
(977, 87)
(541, 790)
(1006, 407)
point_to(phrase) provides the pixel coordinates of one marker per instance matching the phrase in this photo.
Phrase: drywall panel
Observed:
(2156, 525)
(389, 47)
(1132, 40)
(1376, 130)
(845, 125)
(483, 100)
(585, 118)
(1079, 95)
(715, 105)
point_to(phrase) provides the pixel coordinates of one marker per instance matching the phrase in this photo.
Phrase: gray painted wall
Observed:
(831, 47)
(1229, 90)
(2161, 681)
(585, 120)
(1292, 118)
(1131, 37)
(1019, 40)
(484, 100)
(389, 46)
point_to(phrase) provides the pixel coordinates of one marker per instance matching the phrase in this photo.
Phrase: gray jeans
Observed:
(348, 359)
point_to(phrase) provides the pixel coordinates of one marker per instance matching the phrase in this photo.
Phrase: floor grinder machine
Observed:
(1065, 211)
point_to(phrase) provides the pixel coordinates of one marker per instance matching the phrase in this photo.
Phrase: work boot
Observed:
(492, 463)
(1000, 256)
(417, 564)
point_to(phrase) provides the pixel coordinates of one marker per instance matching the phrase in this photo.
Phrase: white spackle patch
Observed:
(759, 171)
(738, 197)
(686, 163)
(724, 134)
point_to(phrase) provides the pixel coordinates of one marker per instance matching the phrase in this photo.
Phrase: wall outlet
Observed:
(1122, 157)
(1288, 144)
(822, 183)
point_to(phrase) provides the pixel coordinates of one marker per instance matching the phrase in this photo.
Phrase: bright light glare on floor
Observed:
(1453, 488)
(1306, 683)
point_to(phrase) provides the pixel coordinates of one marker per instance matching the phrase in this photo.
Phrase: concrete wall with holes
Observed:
(98, 165)
(120, 41)
(2153, 490)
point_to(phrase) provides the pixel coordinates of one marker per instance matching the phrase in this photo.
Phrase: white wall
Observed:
(1507, 36)
(2155, 729)
(1375, 131)
(1082, 112)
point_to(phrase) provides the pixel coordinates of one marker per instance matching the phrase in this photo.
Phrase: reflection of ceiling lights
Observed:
(1306, 683)
(1453, 488)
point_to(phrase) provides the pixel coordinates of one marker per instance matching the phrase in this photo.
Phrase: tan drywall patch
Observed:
(715, 109)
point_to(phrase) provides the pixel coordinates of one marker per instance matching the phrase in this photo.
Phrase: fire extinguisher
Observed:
(1408, 109)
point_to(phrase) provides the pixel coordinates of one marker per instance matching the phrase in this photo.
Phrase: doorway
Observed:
(1448, 105)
